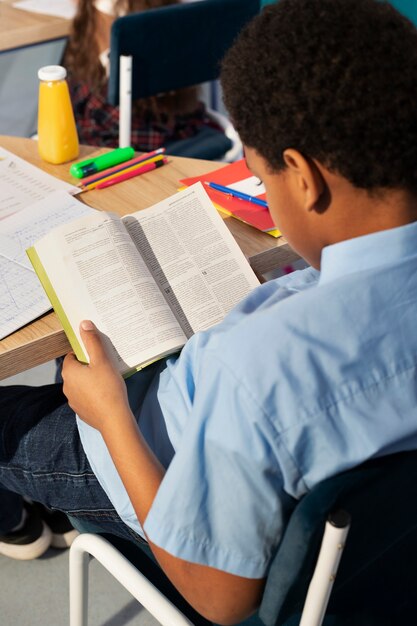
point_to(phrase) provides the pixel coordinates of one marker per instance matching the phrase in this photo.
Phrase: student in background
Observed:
(205, 453)
(155, 120)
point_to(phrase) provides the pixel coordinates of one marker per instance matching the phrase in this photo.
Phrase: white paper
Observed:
(193, 257)
(22, 297)
(249, 186)
(58, 8)
(98, 274)
(22, 184)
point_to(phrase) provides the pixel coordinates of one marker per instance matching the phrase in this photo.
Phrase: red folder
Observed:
(252, 214)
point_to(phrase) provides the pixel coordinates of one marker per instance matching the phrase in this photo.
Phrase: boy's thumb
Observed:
(92, 340)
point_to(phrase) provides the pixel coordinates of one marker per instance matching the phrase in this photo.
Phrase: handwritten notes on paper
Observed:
(22, 184)
(22, 297)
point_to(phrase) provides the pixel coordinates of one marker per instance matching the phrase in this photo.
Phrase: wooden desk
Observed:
(45, 339)
(21, 28)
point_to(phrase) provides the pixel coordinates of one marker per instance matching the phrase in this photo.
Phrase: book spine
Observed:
(56, 304)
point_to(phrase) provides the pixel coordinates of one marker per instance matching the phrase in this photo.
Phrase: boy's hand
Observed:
(96, 392)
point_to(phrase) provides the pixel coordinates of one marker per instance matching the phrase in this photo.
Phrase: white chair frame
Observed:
(86, 545)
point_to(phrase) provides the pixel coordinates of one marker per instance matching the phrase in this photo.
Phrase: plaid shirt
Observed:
(98, 121)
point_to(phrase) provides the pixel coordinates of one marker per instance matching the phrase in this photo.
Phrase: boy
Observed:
(311, 374)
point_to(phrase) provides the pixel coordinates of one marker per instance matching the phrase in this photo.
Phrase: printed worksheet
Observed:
(22, 184)
(22, 298)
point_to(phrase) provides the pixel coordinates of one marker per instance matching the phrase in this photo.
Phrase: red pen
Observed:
(132, 173)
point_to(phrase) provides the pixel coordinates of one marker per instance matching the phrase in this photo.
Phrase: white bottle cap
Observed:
(52, 72)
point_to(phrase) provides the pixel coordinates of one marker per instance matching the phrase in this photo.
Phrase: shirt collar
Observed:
(367, 252)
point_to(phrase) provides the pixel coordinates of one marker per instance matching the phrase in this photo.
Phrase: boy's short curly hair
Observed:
(334, 79)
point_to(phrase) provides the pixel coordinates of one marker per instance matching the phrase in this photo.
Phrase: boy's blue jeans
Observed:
(41, 457)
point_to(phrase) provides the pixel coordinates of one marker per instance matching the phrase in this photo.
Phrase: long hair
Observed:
(81, 55)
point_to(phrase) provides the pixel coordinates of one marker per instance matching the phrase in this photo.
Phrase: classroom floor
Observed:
(35, 593)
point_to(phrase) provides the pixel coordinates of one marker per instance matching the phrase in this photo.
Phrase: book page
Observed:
(22, 184)
(193, 257)
(98, 274)
(22, 298)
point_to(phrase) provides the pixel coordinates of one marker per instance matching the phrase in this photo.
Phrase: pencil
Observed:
(114, 180)
(120, 167)
(108, 176)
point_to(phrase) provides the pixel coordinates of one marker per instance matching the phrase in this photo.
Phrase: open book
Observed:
(148, 280)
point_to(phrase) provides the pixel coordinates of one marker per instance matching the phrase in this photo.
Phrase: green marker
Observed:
(100, 163)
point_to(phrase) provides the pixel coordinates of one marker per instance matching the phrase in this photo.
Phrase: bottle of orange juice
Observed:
(57, 133)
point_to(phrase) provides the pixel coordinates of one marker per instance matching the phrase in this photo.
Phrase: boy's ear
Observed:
(308, 177)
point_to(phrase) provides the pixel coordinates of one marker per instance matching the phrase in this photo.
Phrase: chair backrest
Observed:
(376, 580)
(170, 48)
(176, 46)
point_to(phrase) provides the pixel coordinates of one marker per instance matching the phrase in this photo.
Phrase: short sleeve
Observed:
(221, 502)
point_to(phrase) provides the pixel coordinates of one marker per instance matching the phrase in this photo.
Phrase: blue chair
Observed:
(169, 48)
(376, 580)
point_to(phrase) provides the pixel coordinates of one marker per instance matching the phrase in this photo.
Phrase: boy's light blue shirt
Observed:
(311, 374)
